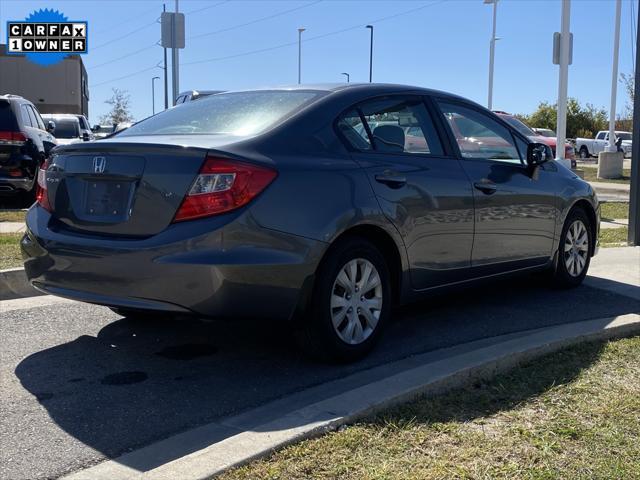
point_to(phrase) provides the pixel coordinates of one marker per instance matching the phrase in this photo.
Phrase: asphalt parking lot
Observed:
(81, 384)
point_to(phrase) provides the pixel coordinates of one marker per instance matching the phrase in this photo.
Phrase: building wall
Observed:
(52, 89)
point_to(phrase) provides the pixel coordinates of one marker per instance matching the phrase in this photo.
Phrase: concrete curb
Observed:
(211, 449)
(14, 284)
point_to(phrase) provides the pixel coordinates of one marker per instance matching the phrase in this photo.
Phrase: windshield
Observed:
(66, 128)
(241, 113)
(623, 135)
(518, 125)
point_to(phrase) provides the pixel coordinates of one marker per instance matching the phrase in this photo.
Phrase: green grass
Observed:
(12, 215)
(614, 211)
(572, 414)
(10, 256)
(613, 237)
(591, 175)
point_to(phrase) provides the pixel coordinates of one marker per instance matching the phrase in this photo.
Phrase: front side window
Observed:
(480, 136)
(238, 114)
(397, 125)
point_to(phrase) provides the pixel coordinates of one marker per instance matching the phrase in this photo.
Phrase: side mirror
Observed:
(51, 126)
(538, 153)
(86, 137)
(95, 128)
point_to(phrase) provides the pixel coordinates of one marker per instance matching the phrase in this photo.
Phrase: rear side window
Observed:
(397, 125)
(8, 121)
(354, 131)
(37, 117)
(240, 113)
(27, 119)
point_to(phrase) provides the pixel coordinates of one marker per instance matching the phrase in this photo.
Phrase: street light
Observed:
(153, 94)
(346, 75)
(614, 81)
(370, 53)
(492, 51)
(300, 30)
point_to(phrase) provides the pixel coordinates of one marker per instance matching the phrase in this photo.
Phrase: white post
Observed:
(565, 45)
(300, 30)
(175, 63)
(614, 81)
(492, 52)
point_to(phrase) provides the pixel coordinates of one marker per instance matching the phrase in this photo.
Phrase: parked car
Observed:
(68, 128)
(588, 147)
(275, 203)
(25, 142)
(545, 132)
(569, 151)
(101, 131)
(191, 95)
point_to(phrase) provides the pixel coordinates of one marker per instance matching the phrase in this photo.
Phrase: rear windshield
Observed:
(241, 113)
(66, 128)
(7, 118)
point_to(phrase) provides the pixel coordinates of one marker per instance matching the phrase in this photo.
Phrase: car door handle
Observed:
(391, 179)
(486, 188)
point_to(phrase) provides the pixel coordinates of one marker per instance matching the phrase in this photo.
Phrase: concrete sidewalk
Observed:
(12, 227)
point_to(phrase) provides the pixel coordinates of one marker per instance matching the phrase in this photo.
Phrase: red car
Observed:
(569, 152)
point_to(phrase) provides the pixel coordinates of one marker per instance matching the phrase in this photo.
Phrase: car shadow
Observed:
(138, 382)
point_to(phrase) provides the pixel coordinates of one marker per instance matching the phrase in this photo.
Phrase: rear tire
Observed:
(350, 304)
(574, 250)
(584, 153)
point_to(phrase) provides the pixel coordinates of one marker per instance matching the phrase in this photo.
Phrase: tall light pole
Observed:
(563, 80)
(614, 81)
(300, 30)
(634, 194)
(153, 95)
(346, 75)
(175, 61)
(492, 51)
(166, 72)
(370, 27)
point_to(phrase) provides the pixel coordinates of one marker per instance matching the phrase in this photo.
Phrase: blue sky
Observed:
(444, 45)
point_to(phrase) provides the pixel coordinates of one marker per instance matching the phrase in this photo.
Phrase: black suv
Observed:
(25, 143)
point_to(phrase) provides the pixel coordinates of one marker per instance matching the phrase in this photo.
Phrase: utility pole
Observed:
(564, 54)
(614, 81)
(492, 51)
(166, 73)
(370, 27)
(153, 95)
(300, 30)
(634, 194)
(175, 60)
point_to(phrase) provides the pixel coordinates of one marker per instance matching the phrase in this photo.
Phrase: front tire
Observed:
(351, 302)
(574, 251)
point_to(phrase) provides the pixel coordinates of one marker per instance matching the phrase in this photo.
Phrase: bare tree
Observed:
(120, 108)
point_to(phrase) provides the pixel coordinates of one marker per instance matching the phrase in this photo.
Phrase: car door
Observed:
(515, 205)
(419, 184)
(600, 142)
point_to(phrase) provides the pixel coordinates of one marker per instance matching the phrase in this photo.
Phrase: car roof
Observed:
(373, 88)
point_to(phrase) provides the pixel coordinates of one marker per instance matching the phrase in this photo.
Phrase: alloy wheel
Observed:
(576, 248)
(356, 301)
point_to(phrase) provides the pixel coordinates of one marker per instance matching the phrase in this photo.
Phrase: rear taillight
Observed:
(223, 185)
(42, 196)
(12, 138)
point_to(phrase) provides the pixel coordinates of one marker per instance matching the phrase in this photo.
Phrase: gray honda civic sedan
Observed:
(320, 205)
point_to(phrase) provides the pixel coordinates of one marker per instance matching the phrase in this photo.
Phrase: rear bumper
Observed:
(205, 267)
(15, 184)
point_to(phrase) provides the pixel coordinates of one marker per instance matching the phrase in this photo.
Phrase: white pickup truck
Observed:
(588, 147)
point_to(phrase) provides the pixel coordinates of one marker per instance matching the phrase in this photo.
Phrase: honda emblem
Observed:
(99, 164)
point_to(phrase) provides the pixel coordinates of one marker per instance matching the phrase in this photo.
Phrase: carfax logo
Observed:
(46, 37)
